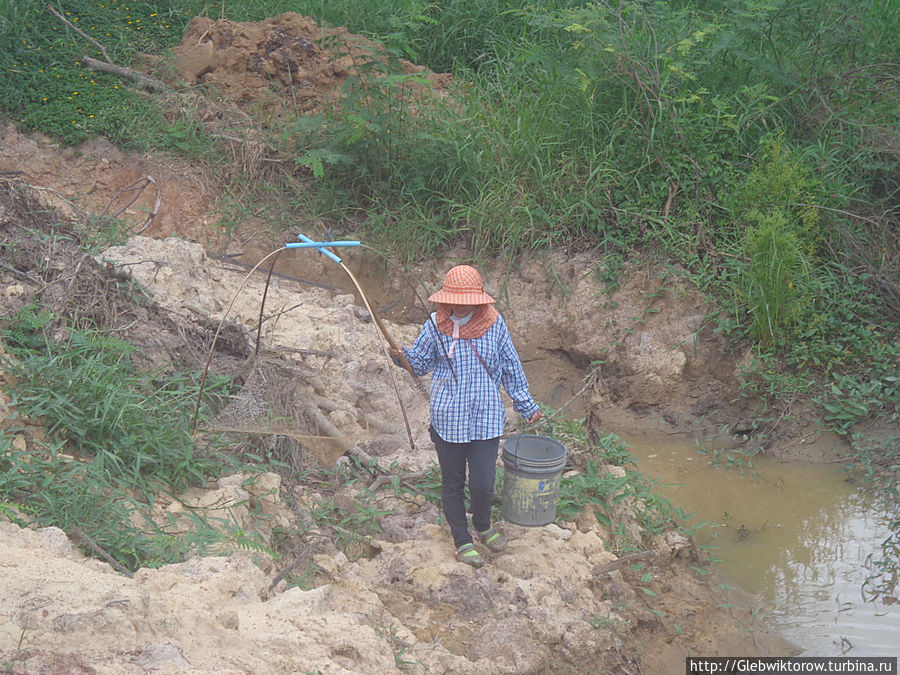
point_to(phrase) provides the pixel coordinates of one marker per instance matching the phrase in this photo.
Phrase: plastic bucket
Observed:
(532, 466)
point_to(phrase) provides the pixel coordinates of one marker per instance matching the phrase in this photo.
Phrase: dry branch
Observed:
(80, 32)
(307, 552)
(371, 420)
(639, 556)
(99, 551)
(141, 80)
(327, 428)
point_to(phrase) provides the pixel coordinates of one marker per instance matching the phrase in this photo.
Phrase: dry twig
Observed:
(141, 80)
(99, 551)
(137, 186)
(80, 32)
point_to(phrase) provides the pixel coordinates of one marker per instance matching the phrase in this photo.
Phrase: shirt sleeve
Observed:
(423, 351)
(513, 377)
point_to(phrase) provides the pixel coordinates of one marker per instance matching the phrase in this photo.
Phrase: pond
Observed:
(796, 534)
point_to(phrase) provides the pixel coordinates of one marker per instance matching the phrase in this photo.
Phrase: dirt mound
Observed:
(285, 64)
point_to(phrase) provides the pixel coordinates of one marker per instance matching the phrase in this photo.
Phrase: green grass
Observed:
(115, 439)
(52, 90)
(614, 497)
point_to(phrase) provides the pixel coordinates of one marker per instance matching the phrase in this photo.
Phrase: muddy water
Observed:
(796, 534)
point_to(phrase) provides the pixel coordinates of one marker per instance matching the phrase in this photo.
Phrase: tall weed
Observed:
(128, 424)
(116, 437)
(774, 279)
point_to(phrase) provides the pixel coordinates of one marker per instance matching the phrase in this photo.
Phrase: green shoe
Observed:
(491, 538)
(468, 554)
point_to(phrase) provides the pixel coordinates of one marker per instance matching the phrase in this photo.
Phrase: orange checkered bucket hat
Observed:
(462, 286)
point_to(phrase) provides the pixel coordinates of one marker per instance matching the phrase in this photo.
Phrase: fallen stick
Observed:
(270, 432)
(307, 552)
(328, 429)
(369, 419)
(99, 551)
(141, 80)
(79, 31)
(624, 560)
(139, 186)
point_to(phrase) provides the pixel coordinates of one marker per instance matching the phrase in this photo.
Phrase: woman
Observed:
(467, 347)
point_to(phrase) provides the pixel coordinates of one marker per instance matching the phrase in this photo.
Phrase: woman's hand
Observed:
(396, 352)
(535, 417)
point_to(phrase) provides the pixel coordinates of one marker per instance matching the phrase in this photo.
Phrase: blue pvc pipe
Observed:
(306, 242)
(317, 244)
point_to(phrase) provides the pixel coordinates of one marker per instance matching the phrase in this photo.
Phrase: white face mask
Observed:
(457, 322)
(463, 320)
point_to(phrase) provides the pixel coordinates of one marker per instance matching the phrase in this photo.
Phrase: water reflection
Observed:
(796, 534)
(821, 592)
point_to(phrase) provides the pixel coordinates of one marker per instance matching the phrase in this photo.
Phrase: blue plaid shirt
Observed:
(469, 408)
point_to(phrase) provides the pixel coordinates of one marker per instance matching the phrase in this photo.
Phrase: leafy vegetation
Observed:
(53, 90)
(613, 495)
(116, 439)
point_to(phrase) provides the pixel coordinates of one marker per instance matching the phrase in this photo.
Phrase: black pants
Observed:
(481, 458)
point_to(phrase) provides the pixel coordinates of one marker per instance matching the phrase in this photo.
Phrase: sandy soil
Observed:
(559, 600)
